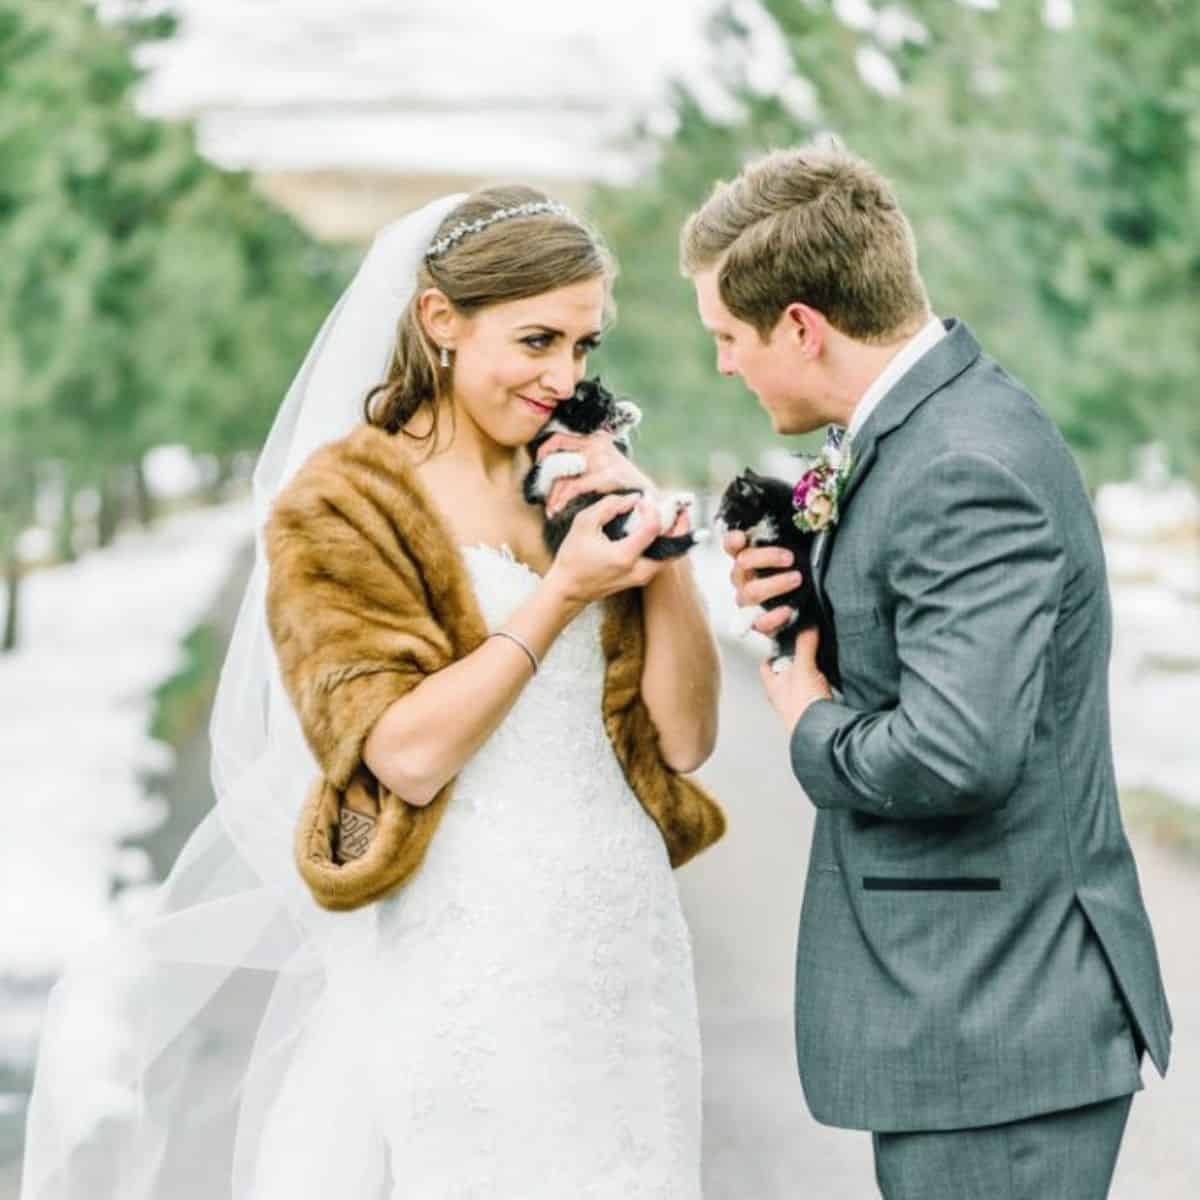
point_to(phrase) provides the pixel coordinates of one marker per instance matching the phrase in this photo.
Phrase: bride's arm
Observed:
(423, 739)
(681, 679)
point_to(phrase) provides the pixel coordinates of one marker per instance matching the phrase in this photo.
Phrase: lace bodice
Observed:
(554, 728)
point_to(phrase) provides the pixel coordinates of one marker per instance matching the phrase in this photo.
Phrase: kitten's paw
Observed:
(743, 620)
(780, 664)
(668, 509)
(627, 416)
(562, 464)
(671, 505)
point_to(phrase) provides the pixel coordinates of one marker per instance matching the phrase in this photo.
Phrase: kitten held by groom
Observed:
(976, 976)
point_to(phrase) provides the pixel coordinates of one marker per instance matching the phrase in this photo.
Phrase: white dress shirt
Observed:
(905, 359)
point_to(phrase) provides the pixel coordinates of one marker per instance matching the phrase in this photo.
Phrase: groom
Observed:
(976, 978)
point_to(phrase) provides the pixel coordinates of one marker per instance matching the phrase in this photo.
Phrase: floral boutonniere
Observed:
(818, 491)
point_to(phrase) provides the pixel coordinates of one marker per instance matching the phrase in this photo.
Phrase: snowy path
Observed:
(98, 637)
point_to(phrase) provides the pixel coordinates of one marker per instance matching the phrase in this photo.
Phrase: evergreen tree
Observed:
(149, 296)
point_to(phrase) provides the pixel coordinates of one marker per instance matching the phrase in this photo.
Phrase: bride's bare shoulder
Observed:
(474, 511)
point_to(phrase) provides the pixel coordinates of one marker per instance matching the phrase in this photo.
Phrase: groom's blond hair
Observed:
(816, 225)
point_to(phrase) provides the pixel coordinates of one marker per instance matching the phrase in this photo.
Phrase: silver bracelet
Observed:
(520, 641)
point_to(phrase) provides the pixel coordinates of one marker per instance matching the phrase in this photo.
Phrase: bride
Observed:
(466, 973)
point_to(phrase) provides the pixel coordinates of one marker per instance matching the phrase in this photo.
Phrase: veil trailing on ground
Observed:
(164, 1048)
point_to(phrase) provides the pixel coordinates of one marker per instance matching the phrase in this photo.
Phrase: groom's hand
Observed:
(750, 589)
(793, 690)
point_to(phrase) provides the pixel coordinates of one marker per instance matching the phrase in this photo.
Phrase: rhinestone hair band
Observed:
(460, 231)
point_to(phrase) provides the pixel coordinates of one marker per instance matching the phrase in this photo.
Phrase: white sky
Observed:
(397, 84)
(469, 86)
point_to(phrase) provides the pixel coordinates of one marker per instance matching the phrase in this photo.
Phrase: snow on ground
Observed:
(97, 637)
(1136, 511)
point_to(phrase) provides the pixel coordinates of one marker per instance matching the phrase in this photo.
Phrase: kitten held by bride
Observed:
(481, 975)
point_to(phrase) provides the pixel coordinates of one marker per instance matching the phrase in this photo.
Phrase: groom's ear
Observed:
(806, 328)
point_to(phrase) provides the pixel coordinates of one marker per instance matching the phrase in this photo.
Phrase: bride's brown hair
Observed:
(513, 259)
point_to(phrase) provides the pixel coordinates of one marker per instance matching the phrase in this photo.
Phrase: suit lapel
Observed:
(860, 465)
(930, 373)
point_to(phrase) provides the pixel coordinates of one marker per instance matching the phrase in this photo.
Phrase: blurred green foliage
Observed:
(1170, 821)
(148, 296)
(181, 702)
(1051, 174)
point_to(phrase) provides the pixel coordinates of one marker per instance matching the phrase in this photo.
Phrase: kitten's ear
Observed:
(626, 415)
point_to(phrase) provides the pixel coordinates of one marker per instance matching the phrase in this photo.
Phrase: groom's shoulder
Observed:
(988, 411)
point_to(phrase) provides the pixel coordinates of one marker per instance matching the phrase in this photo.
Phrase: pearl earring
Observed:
(444, 358)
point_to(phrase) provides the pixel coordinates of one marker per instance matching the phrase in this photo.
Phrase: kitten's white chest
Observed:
(766, 530)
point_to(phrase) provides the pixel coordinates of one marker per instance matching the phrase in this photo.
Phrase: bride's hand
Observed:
(588, 566)
(607, 468)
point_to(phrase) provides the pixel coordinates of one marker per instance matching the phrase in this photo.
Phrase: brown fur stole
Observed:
(367, 594)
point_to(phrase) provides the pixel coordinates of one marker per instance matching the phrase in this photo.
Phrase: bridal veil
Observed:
(163, 1049)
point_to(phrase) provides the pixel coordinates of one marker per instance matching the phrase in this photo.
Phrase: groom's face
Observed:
(771, 369)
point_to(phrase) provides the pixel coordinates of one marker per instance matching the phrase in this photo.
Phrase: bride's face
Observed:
(514, 362)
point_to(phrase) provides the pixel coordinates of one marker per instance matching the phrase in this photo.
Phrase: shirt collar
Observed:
(904, 360)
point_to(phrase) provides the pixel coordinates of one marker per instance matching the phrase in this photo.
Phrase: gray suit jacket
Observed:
(973, 945)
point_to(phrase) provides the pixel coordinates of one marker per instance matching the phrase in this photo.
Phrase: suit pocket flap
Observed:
(956, 883)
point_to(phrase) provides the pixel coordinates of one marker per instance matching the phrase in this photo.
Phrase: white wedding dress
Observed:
(526, 1027)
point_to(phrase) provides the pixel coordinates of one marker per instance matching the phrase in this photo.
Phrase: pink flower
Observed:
(815, 495)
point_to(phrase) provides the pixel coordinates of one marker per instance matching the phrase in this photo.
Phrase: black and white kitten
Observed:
(590, 408)
(761, 507)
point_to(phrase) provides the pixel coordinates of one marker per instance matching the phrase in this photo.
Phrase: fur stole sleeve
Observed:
(365, 597)
(689, 819)
(347, 604)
